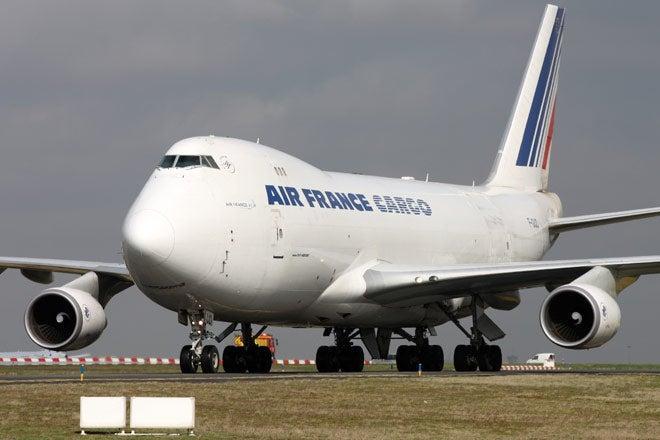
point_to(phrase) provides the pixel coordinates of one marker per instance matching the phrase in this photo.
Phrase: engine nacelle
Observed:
(66, 318)
(580, 316)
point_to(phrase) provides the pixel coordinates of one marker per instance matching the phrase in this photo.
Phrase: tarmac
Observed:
(284, 375)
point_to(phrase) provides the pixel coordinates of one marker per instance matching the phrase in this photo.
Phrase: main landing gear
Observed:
(478, 354)
(409, 357)
(250, 357)
(343, 356)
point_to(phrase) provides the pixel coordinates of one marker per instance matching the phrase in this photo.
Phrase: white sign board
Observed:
(102, 412)
(163, 412)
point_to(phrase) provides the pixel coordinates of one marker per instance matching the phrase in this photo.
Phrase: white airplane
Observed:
(231, 230)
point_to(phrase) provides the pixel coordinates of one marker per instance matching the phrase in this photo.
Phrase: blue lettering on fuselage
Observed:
(290, 196)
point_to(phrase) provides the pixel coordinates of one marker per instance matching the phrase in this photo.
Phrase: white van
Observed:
(545, 359)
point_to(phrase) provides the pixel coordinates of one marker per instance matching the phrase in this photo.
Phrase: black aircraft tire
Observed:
(358, 359)
(351, 360)
(265, 359)
(210, 359)
(405, 358)
(323, 354)
(187, 361)
(490, 358)
(433, 358)
(464, 358)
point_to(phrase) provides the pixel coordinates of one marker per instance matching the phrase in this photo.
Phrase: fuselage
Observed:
(261, 236)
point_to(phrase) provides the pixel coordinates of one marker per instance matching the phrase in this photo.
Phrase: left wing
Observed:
(402, 285)
(40, 269)
(564, 224)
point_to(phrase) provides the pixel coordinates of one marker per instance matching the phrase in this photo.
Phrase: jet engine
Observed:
(68, 317)
(580, 316)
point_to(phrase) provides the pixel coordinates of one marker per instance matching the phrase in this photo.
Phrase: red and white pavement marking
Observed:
(94, 360)
(527, 368)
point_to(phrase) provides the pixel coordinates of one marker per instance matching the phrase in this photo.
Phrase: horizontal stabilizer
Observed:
(587, 221)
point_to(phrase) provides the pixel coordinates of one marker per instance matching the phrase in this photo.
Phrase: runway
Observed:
(292, 375)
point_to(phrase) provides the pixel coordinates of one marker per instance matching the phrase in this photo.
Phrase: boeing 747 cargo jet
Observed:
(234, 231)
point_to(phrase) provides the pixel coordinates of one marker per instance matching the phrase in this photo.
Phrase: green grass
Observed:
(612, 367)
(528, 406)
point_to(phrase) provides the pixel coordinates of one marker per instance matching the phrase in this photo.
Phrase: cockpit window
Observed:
(167, 162)
(212, 162)
(188, 161)
(205, 162)
(172, 161)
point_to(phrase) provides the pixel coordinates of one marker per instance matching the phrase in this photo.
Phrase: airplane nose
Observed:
(148, 237)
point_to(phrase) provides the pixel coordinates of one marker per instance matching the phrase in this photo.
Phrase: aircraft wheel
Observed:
(264, 359)
(187, 360)
(406, 358)
(358, 358)
(433, 358)
(210, 359)
(490, 358)
(233, 360)
(464, 358)
(327, 360)
(351, 360)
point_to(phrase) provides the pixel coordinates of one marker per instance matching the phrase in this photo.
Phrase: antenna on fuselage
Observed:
(427, 177)
(258, 140)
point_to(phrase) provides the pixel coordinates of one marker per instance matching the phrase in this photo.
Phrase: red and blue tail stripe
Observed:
(537, 137)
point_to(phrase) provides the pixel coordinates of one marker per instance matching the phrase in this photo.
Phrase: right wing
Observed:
(32, 268)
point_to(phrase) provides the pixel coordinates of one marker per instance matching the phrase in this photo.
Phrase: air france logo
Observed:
(314, 198)
(86, 311)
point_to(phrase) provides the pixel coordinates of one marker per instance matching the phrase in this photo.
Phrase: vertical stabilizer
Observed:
(523, 159)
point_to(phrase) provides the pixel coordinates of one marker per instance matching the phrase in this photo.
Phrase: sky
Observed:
(93, 93)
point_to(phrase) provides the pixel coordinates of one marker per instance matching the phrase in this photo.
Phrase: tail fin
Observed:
(524, 155)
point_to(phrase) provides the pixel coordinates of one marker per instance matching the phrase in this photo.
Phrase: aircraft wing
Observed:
(564, 224)
(31, 266)
(401, 285)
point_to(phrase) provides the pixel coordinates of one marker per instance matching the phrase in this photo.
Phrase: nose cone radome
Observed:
(148, 238)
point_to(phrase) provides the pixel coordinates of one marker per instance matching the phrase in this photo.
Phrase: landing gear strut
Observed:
(478, 354)
(343, 356)
(193, 356)
(250, 357)
(409, 357)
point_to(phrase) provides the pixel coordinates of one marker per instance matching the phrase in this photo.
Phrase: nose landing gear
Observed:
(250, 357)
(193, 356)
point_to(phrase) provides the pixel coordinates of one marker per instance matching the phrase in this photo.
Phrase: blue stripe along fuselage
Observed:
(526, 153)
